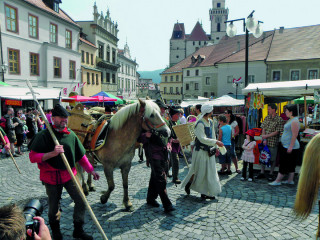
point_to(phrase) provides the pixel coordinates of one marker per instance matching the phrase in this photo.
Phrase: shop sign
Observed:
(13, 102)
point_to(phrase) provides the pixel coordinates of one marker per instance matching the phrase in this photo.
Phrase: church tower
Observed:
(218, 15)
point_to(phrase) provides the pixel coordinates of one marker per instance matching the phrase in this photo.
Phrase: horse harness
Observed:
(151, 126)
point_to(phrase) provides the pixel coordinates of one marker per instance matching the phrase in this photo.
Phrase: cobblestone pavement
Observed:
(244, 210)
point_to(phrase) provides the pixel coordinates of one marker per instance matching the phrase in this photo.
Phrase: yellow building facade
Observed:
(90, 75)
(171, 87)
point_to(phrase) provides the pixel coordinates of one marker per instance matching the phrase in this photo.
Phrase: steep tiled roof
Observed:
(258, 51)
(198, 34)
(178, 27)
(87, 42)
(295, 44)
(187, 62)
(40, 4)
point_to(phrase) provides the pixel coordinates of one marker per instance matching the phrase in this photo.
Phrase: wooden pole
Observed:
(14, 161)
(184, 156)
(65, 161)
(305, 112)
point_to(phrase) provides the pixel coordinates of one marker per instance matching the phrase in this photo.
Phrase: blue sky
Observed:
(147, 24)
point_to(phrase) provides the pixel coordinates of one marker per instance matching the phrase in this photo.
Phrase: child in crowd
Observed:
(248, 155)
(225, 137)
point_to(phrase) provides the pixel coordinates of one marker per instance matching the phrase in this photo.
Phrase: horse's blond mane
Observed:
(118, 120)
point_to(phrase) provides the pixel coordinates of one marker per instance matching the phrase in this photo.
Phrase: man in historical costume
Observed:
(272, 126)
(31, 124)
(155, 146)
(53, 172)
(202, 176)
(175, 145)
(10, 129)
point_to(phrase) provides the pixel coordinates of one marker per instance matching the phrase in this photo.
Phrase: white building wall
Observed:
(177, 51)
(25, 44)
(237, 70)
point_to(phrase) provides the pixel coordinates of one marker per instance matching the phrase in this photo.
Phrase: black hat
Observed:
(60, 111)
(161, 104)
(174, 111)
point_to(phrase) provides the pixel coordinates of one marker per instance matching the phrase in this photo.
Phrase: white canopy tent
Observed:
(223, 101)
(23, 93)
(284, 89)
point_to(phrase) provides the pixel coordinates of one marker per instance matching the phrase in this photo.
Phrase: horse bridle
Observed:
(149, 124)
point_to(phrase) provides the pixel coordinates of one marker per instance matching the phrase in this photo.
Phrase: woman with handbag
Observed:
(202, 176)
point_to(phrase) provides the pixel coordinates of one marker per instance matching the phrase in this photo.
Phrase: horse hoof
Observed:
(129, 209)
(92, 189)
(103, 199)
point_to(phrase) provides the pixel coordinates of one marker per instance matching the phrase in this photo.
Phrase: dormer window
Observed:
(56, 7)
(53, 4)
(193, 59)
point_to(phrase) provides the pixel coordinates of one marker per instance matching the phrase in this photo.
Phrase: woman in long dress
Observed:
(203, 177)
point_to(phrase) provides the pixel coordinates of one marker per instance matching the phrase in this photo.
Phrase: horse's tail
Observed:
(308, 186)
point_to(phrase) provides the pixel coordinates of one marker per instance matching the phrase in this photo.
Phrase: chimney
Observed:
(281, 29)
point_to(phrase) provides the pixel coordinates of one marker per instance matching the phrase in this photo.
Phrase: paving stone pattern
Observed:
(244, 210)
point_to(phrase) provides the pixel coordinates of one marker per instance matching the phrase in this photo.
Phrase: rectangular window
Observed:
(82, 56)
(91, 59)
(295, 75)
(101, 77)
(207, 81)
(68, 39)
(72, 70)
(212, 94)
(108, 77)
(34, 64)
(196, 86)
(171, 78)
(92, 78)
(187, 86)
(164, 90)
(97, 79)
(57, 67)
(88, 78)
(312, 74)
(53, 33)
(166, 78)
(33, 26)
(11, 19)
(276, 75)
(177, 78)
(251, 78)
(171, 90)
(87, 58)
(181, 90)
(229, 79)
(188, 72)
(113, 55)
(205, 94)
(113, 78)
(101, 51)
(177, 90)
(14, 61)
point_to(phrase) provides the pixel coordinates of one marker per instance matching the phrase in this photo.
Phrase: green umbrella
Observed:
(4, 84)
(310, 100)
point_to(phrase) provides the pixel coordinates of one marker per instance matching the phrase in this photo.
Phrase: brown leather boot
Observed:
(55, 228)
(79, 233)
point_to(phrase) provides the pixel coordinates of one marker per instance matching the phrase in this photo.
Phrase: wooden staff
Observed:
(14, 161)
(66, 163)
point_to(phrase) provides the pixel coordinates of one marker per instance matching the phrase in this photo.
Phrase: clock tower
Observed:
(218, 15)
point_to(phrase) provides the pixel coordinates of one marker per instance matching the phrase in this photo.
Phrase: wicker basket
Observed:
(185, 133)
(79, 121)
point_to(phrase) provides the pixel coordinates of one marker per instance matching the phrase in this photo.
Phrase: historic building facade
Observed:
(40, 43)
(103, 33)
(90, 75)
(127, 74)
(182, 44)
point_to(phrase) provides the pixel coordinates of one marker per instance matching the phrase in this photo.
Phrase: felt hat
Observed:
(60, 111)
(250, 133)
(174, 111)
(161, 104)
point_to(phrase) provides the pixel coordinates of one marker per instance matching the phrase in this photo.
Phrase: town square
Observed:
(126, 119)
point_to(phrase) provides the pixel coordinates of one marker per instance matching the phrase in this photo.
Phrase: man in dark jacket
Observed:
(10, 130)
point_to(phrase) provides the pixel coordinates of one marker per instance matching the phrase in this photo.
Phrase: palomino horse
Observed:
(124, 129)
(308, 185)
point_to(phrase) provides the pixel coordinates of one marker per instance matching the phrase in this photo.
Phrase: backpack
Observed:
(3, 123)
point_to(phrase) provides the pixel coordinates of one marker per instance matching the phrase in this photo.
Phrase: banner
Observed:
(13, 102)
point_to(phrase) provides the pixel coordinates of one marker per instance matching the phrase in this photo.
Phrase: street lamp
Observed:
(4, 68)
(251, 25)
